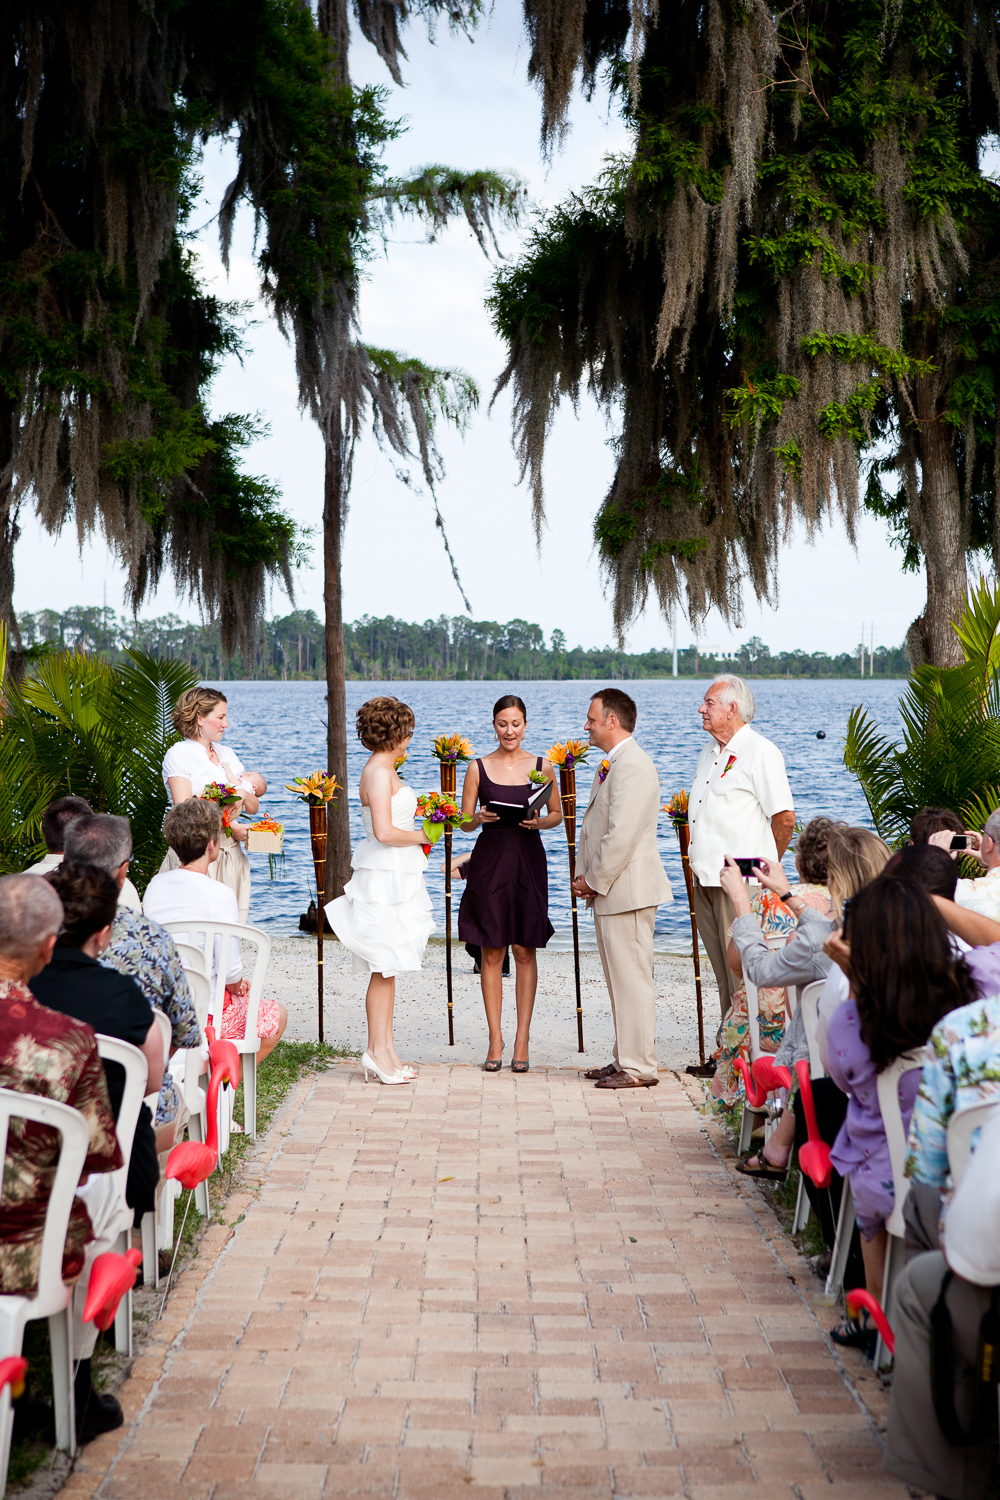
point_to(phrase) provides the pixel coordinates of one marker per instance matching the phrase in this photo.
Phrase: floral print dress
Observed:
(776, 920)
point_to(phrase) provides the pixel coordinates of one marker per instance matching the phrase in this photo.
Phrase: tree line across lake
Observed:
(290, 648)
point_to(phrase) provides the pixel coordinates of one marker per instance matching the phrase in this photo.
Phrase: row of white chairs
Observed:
(53, 1299)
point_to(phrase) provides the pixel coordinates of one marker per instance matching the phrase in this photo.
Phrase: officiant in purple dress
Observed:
(506, 896)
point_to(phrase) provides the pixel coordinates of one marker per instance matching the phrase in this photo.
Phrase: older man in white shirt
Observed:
(983, 893)
(740, 804)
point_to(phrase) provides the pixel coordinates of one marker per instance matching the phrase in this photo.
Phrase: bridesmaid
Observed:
(506, 896)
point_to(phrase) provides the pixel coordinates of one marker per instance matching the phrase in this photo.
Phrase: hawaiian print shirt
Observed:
(44, 1052)
(144, 950)
(964, 1069)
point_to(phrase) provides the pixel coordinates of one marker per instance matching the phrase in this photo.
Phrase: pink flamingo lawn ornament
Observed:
(193, 1161)
(111, 1276)
(814, 1156)
(13, 1369)
(762, 1079)
(858, 1299)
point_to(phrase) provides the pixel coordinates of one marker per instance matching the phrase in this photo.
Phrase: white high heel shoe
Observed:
(373, 1067)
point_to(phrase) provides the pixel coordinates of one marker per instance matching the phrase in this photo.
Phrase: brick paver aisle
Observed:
(506, 1284)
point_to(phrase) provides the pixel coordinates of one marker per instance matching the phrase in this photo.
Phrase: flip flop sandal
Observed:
(765, 1172)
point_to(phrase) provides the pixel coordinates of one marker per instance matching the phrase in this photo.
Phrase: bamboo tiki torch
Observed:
(449, 781)
(684, 834)
(677, 811)
(318, 828)
(567, 794)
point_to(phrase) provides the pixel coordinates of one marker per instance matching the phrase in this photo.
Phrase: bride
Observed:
(384, 916)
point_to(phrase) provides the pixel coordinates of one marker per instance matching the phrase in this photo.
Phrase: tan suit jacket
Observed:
(617, 853)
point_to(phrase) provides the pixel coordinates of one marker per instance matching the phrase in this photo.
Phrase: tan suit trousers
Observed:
(625, 942)
(714, 914)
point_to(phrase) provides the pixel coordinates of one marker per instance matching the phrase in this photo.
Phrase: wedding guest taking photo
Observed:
(740, 804)
(506, 896)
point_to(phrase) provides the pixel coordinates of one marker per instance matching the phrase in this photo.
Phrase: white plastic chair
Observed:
(53, 1299)
(961, 1128)
(892, 1119)
(187, 1067)
(191, 957)
(751, 1116)
(136, 1068)
(204, 934)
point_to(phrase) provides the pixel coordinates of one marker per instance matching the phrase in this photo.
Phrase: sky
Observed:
(469, 105)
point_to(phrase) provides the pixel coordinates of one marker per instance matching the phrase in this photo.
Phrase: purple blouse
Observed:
(861, 1150)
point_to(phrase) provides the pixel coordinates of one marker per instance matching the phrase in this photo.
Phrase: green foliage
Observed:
(950, 753)
(79, 726)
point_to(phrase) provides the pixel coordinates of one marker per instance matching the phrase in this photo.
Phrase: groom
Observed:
(620, 874)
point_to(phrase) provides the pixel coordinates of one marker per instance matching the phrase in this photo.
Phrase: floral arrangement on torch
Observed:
(316, 790)
(452, 747)
(677, 808)
(227, 798)
(439, 811)
(572, 753)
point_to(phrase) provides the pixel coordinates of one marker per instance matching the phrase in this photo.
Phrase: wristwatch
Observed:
(787, 897)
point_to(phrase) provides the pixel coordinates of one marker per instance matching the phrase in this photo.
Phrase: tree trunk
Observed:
(943, 536)
(338, 849)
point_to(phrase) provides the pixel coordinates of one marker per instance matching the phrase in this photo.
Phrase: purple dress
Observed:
(861, 1150)
(506, 896)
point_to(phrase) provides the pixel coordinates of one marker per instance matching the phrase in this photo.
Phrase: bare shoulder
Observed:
(375, 778)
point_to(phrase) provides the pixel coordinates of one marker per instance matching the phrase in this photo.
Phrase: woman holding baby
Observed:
(197, 760)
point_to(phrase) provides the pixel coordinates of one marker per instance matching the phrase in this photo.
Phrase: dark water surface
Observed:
(279, 728)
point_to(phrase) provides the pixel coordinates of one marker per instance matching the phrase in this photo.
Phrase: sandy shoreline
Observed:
(421, 1009)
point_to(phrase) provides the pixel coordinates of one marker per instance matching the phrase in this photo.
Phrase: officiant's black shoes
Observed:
(595, 1073)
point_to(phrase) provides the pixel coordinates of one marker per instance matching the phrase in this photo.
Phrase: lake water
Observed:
(279, 728)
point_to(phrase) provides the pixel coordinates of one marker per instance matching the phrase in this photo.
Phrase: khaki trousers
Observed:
(917, 1451)
(625, 943)
(715, 915)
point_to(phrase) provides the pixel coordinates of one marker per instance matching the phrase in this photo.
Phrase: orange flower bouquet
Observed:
(226, 798)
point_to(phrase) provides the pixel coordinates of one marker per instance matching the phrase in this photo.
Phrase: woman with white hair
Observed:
(740, 804)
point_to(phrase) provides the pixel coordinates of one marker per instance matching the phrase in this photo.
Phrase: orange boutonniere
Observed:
(729, 765)
(603, 770)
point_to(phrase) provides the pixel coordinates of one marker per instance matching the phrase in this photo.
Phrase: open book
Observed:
(511, 814)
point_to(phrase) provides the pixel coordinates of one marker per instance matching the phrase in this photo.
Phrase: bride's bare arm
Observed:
(378, 787)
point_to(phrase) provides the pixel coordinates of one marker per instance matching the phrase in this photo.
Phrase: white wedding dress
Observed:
(384, 916)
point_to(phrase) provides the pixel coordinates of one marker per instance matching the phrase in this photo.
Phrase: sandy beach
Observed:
(421, 1010)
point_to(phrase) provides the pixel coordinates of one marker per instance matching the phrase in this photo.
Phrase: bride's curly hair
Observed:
(384, 723)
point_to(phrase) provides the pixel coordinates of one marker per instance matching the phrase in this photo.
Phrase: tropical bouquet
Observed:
(452, 747)
(316, 790)
(677, 808)
(572, 753)
(398, 765)
(226, 798)
(439, 811)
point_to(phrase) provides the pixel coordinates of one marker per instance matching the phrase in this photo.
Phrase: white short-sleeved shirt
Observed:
(737, 790)
(179, 895)
(981, 895)
(188, 758)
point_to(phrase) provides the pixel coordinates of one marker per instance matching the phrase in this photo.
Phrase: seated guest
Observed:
(934, 820)
(771, 918)
(47, 1053)
(904, 976)
(75, 983)
(800, 962)
(982, 894)
(58, 819)
(939, 1382)
(193, 829)
(140, 948)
